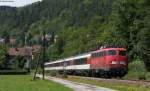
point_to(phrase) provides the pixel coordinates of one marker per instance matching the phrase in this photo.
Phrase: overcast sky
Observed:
(17, 3)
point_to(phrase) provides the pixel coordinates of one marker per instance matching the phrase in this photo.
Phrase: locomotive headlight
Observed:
(113, 62)
(123, 63)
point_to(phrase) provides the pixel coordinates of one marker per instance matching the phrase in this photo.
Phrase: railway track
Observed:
(123, 81)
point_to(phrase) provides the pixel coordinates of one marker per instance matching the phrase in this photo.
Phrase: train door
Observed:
(93, 61)
(102, 60)
(99, 60)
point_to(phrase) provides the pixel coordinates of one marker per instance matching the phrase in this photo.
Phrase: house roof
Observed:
(20, 51)
(24, 51)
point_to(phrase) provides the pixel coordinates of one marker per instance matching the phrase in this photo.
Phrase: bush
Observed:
(137, 66)
(137, 70)
(148, 76)
(52, 73)
(3, 52)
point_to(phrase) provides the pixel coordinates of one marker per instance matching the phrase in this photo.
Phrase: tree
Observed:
(6, 36)
(83, 25)
(3, 52)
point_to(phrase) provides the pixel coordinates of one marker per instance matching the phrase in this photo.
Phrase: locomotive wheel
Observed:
(106, 75)
(90, 73)
(87, 73)
(93, 73)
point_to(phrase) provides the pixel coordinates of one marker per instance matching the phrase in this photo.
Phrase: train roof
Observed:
(106, 49)
(71, 58)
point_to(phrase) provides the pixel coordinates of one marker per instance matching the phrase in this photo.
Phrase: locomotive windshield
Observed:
(122, 53)
(112, 52)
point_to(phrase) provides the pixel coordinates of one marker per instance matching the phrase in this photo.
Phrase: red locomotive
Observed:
(107, 62)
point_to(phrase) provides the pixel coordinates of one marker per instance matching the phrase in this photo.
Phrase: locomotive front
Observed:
(117, 61)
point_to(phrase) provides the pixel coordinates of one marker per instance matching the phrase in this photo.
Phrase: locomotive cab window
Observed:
(99, 54)
(112, 52)
(122, 53)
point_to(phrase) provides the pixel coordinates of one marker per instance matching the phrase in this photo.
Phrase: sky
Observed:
(16, 3)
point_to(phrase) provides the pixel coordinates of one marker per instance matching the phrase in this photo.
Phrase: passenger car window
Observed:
(80, 61)
(112, 52)
(122, 53)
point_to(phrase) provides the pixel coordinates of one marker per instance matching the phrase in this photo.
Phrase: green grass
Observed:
(117, 86)
(24, 83)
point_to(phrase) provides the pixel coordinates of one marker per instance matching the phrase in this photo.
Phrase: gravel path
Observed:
(77, 86)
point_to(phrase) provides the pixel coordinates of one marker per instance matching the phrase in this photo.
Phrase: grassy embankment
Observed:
(24, 83)
(117, 86)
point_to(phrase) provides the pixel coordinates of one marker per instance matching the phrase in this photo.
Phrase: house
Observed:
(26, 52)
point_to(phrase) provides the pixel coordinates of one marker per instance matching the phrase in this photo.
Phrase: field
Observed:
(24, 83)
(117, 86)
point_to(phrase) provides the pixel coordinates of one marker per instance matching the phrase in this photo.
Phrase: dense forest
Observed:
(79, 26)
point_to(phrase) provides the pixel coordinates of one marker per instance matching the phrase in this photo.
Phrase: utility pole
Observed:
(44, 53)
(37, 64)
(25, 41)
(43, 57)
